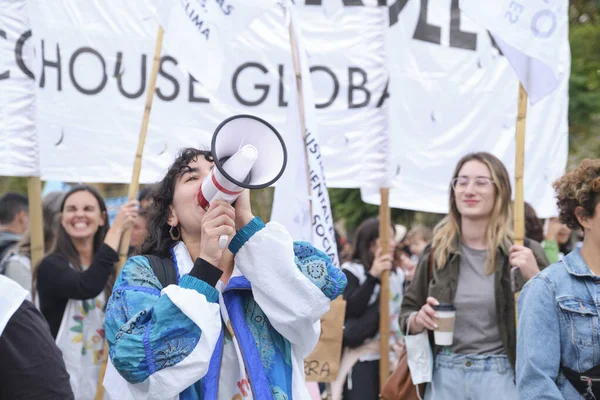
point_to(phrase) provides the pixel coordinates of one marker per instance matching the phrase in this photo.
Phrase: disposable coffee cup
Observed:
(444, 334)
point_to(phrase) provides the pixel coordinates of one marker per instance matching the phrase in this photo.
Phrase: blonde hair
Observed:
(499, 230)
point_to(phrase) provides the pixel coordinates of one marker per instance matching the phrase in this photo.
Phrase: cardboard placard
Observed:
(323, 364)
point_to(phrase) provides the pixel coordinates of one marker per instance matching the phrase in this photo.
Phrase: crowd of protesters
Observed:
(256, 303)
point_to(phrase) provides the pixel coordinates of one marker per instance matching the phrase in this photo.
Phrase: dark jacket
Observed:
(445, 281)
(58, 282)
(31, 366)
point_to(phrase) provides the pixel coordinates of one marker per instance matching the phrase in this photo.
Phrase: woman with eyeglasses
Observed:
(471, 256)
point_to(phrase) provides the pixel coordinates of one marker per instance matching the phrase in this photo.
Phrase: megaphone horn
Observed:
(248, 153)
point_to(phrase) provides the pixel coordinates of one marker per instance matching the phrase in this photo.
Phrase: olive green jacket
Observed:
(445, 281)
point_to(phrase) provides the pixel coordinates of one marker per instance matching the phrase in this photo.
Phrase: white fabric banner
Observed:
(19, 154)
(292, 203)
(199, 30)
(92, 65)
(534, 37)
(453, 93)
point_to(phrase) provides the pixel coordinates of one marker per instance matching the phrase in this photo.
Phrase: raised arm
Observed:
(57, 278)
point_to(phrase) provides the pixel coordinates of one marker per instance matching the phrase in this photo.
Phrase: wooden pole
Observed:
(385, 222)
(36, 219)
(135, 181)
(519, 206)
(298, 74)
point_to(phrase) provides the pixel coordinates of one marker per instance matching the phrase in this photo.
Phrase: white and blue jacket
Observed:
(247, 340)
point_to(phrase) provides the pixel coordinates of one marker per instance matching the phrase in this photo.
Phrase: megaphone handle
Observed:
(223, 239)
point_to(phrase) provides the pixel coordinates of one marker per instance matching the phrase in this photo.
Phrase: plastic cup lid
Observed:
(444, 307)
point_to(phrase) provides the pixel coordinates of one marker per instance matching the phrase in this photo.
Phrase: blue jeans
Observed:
(471, 377)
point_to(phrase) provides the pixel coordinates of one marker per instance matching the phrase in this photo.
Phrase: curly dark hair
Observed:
(580, 188)
(158, 241)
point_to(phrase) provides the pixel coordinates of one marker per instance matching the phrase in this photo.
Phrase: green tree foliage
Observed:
(348, 206)
(584, 85)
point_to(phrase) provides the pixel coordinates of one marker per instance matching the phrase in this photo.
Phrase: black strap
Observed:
(431, 263)
(164, 269)
(587, 383)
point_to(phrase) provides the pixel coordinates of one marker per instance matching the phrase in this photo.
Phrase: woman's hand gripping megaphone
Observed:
(217, 187)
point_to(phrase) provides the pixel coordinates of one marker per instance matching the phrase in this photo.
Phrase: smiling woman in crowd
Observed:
(471, 256)
(75, 280)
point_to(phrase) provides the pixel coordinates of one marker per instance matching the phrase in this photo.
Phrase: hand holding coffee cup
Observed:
(446, 318)
(425, 318)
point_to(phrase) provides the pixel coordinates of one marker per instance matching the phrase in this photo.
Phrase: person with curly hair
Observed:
(558, 343)
(230, 323)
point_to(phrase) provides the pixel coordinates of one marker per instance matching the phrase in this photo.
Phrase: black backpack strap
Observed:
(164, 269)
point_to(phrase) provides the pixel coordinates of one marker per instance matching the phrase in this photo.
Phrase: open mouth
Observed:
(80, 225)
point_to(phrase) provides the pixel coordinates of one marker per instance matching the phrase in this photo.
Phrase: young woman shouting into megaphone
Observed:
(185, 321)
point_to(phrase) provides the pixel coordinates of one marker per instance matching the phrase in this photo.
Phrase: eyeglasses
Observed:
(461, 183)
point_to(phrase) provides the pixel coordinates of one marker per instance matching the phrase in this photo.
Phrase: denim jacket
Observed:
(558, 326)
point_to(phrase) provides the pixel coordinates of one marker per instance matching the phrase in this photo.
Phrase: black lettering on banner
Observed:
(264, 88)
(195, 19)
(19, 53)
(360, 87)
(5, 74)
(191, 97)
(395, 10)
(55, 64)
(315, 146)
(425, 31)
(336, 85)
(385, 95)
(314, 150)
(170, 78)
(281, 99)
(320, 229)
(80, 88)
(460, 39)
(225, 8)
(119, 75)
(319, 187)
(316, 219)
(326, 244)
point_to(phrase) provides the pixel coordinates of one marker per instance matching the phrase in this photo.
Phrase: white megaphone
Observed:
(248, 154)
